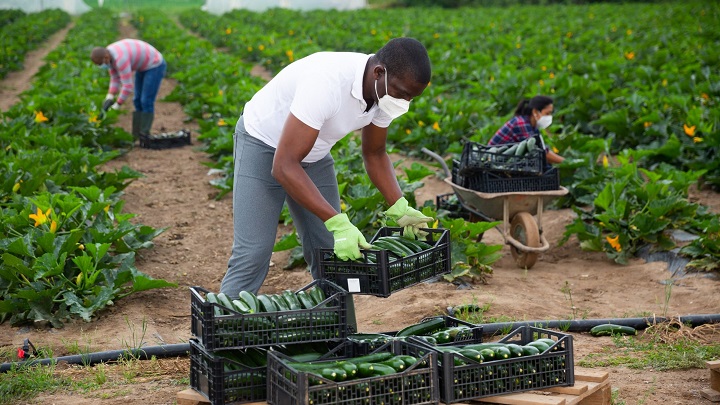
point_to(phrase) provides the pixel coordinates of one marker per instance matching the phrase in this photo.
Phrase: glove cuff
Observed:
(109, 97)
(338, 222)
(398, 209)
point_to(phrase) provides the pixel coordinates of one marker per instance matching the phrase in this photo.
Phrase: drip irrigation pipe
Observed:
(173, 350)
(584, 325)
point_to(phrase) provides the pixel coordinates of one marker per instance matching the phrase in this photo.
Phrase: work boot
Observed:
(136, 124)
(146, 121)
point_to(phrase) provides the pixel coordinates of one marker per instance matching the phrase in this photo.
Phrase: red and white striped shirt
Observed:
(130, 55)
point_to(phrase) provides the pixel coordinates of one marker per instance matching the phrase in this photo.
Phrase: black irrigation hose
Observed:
(584, 325)
(173, 350)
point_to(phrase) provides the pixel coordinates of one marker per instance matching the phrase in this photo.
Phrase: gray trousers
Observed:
(257, 203)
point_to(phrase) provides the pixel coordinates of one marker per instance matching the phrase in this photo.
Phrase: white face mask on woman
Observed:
(394, 107)
(544, 121)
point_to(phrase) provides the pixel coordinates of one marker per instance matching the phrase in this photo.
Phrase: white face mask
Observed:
(544, 121)
(394, 107)
(104, 66)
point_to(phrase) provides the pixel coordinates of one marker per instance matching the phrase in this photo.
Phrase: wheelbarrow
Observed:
(520, 213)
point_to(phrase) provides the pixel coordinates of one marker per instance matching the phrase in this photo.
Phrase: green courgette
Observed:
(609, 329)
(426, 327)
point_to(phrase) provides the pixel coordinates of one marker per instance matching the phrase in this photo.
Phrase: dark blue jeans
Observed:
(147, 84)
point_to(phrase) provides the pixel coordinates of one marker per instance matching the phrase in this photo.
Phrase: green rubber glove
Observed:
(410, 219)
(348, 239)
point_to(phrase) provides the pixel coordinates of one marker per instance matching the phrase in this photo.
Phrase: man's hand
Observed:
(348, 239)
(408, 218)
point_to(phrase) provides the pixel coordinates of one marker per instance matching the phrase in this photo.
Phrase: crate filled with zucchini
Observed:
(525, 157)
(395, 373)
(395, 262)
(437, 331)
(527, 359)
(490, 181)
(317, 312)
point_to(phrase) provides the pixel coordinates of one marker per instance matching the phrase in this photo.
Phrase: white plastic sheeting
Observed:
(74, 7)
(223, 6)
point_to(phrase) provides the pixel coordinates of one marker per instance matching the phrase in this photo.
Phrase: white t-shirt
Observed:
(324, 91)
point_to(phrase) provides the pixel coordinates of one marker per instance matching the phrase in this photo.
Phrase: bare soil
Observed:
(175, 194)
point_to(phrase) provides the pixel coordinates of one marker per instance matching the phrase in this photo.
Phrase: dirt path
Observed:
(175, 194)
(17, 82)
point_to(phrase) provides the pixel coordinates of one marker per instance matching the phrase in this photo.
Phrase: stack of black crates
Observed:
(485, 169)
(221, 335)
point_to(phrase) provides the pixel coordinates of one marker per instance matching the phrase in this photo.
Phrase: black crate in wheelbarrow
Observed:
(492, 182)
(478, 157)
(462, 379)
(328, 321)
(381, 272)
(223, 380)
(414, 385)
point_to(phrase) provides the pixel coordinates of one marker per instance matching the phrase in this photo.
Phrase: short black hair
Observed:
(403, 56)
(526, 106)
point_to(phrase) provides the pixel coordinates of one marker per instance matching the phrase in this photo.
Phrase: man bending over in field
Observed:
(282, 153)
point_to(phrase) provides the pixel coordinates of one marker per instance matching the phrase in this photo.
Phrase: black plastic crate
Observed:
(478, 157)
(325, 322)
(467, 336)
(450, 203)
(489, 182)
(222, 380)
(388, 273)
(417, 384)
(166, 140)
(552, 368)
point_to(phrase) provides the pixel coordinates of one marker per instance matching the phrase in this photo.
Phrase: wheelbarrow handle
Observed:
(439, 159)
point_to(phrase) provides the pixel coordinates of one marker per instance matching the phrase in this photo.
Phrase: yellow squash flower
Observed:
(689, 131)
(228, 31)
(630, 55)
(436, 126)
(40, 117)
(605, 161)
(221, 122)
(289, 54)
(697, 139)
(40, 217)
(614, 242)
(647, 124)
(53, 227)
(16, 186)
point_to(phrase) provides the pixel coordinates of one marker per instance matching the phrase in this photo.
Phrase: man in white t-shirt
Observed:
(282, 153)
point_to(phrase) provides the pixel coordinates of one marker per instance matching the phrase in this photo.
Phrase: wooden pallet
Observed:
(591, 388)
(713, 393)
(192, 397)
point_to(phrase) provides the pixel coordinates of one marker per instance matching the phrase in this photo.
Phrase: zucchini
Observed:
(224, 301)
(279, 302)
(251, 301)
(371, 358)
(292, 300)
(610, 329)
(441, 337)
(542, 346)
(399, 247)
(240, 307)
(425, 327)
(502, 352)
(530, 350)
(365, 369)
(522, 148)
(305, 299)
(515, 350)
(266, 304)
(382, 369)
(317, 294)
(396, 364)
(511, 150)
(212, 298)
(531, 142)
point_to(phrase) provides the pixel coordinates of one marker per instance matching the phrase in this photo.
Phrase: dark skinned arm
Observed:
(553, 157)
(377, 163)
(296, 141)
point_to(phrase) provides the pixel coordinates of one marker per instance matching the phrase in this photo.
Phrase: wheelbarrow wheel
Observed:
(524, 229)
